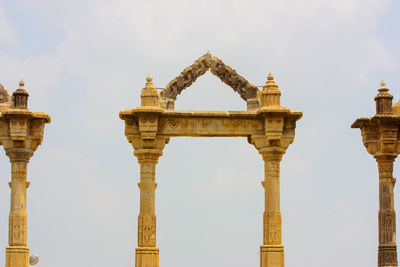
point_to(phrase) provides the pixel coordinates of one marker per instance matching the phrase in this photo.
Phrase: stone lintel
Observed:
(205, 123)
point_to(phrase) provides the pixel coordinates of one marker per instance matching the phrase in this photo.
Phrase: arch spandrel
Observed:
(229, 76)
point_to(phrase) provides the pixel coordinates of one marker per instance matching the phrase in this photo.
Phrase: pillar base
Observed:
(146, 257)
(272, 256)
(17, 256)
(387, 256)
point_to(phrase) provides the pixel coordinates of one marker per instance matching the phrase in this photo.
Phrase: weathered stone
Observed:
(267, 125)
(21, 132)
(229, 76)
(380, 135)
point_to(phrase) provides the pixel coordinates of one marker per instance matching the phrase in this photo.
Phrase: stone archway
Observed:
(267, 125)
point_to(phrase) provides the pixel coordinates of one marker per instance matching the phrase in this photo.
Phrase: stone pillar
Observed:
(279, 131)
(381, 139)
(17, 253)
(387, 254)
(146, 252)
(272, 251)
(21, 132)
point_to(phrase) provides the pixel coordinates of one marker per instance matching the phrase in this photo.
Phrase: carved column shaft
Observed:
(272, 214)
(272, 251)
(17, 254)
(147, 253)
(387, 251)
(18, 217)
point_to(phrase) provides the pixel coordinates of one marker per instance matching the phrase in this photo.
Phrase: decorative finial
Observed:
(270, 94)
(149, 94)
(383, 87)
(383, 100)
(20, 96)
(270, 81)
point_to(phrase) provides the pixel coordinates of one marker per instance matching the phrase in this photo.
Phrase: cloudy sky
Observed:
(84, 61)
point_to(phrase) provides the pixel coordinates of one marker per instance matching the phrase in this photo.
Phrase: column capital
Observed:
(272, 153)
(17, 154)
(385, 157)
(147, 155)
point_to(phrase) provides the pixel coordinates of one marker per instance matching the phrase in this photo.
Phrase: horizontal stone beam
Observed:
(195, 123)
(207, 126)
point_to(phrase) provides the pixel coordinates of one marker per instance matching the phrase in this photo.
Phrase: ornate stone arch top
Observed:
(207, 62)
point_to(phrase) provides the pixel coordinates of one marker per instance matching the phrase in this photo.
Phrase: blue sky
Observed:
(84, 61)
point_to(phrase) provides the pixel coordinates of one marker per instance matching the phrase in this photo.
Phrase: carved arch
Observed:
(207, 62)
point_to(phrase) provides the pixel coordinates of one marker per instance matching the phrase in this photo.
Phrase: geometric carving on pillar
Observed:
(266, 124)
(380, 135)
(21, 132)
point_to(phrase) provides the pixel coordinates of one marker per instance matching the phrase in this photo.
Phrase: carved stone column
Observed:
(147, 253)
(279, 131)
(272, 251)
(17, 253)
(387, 254)
(381, 139)
(21, 132)
(141, 126)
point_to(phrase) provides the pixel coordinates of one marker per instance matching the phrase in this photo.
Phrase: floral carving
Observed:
(187, 77)
(227, 75)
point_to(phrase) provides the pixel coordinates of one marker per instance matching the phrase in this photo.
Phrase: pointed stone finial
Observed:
(383, 100)
(149, 84)
(20, 96)
(383, 87)
(270, 82)
(149, 94)
(270, 93)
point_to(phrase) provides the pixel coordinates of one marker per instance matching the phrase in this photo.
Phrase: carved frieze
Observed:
(208, 126)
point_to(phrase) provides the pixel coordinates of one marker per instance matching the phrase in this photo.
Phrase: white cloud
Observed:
(8, 33)
(40, 73)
